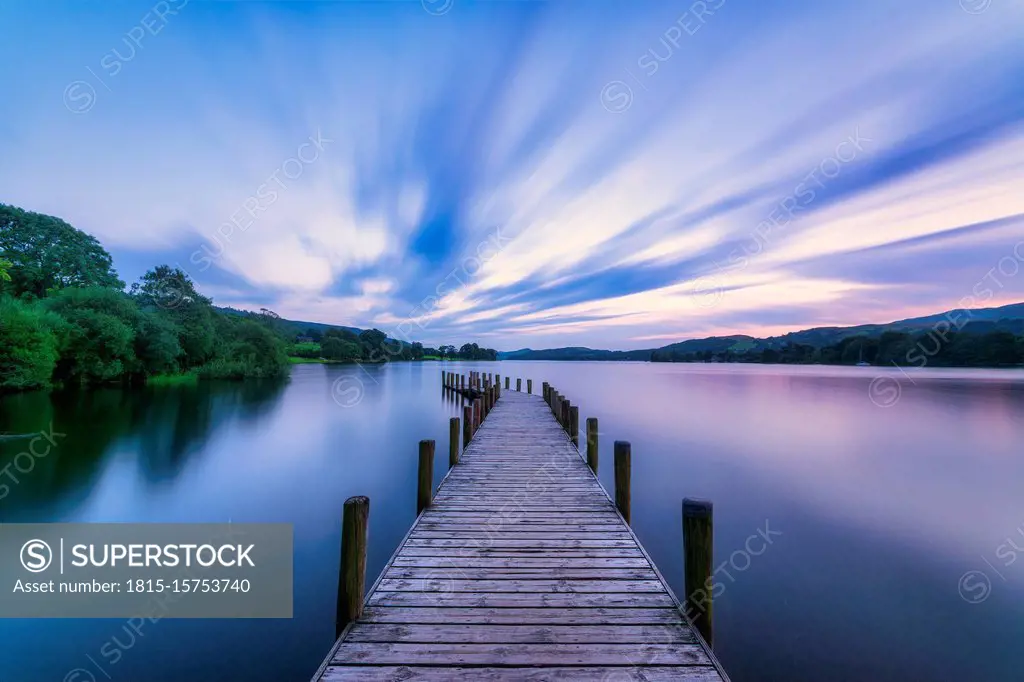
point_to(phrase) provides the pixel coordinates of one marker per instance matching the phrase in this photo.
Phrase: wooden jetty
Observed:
(521, 566)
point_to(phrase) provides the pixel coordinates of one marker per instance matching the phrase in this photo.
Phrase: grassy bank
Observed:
(181, 379)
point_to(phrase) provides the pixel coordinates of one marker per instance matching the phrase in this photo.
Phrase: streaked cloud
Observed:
(651, 171)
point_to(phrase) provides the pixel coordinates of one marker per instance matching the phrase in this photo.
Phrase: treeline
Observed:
(934, 348)
(373, 346)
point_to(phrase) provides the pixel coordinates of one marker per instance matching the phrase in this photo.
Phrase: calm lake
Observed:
(895, 505)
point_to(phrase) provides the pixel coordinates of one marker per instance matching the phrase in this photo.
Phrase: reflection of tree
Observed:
(163, 426)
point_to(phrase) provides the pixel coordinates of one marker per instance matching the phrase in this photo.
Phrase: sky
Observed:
(534, 174)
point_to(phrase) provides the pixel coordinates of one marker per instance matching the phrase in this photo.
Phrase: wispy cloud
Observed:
(628, 226)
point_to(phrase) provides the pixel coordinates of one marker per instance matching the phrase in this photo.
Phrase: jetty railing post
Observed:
(544, 390)
(529, 386)
(477, 417)
(698, 548)
(592, 443)
(467, 426)
(519, 384)
(462, 381)
(566, 404)
(507, 381)
(352, 571)
(453, 441)
(574, 425)
(425, 489)
(623, 457)
(497, 380)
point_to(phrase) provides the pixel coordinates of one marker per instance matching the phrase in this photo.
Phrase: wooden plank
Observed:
(522, 616)
(523, 634)
(506, 674)
(517, 600)
(384, 653)
(459, 581)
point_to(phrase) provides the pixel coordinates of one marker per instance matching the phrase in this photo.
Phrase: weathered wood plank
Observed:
(379, 598)
(523, 634)
(522, 616)
(531, 674)
(383, 653)
(459, 581)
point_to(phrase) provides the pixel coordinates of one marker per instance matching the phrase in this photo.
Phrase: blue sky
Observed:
(603, 173)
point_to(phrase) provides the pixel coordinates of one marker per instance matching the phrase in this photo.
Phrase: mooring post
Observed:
(426, 478)
(622, 465)
(352, 571)
(497, 380)
(566, 404)
(467, 426)
(544, 387)
(529, 386)
(574, 425)
(462, 381)
(453, 441)
(592, 443)
(507, 381)
(519, 385)
(477, 416)
(698, 549)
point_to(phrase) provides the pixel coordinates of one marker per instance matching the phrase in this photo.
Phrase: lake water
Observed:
(895, 504)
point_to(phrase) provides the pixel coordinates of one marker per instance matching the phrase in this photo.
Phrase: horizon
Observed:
(615, 169)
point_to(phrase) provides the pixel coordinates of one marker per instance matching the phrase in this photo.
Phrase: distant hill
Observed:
(1008, 318)
(298, 326)
(575, 353)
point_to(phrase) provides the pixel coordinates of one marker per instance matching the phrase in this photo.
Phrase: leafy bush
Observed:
(28, 346)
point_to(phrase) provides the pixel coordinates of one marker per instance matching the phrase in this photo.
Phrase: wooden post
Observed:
(507, 381)
(544, 390)
(566, 404)
(623, 458)
(574, 425)
(519, 384)
(463, 381)
(497, 380)
(467, 426)
(592, 443)
(425, 490)
(529, 386)
(453, 441)
(477, 417)
(698, 542)
(352, 571)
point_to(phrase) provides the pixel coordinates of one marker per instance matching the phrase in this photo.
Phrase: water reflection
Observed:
(164, 427)
(881, 510)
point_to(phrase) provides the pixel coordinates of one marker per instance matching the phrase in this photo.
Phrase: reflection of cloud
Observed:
(476, 120)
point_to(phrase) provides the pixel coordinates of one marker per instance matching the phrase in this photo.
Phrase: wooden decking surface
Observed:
(521, 570)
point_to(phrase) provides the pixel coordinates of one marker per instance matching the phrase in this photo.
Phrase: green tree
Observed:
(28, 346)
(5, 270)
(45, 253)
(337, 349)
(156, 344)
(98, 336)
(374, 345)
(170, 292)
